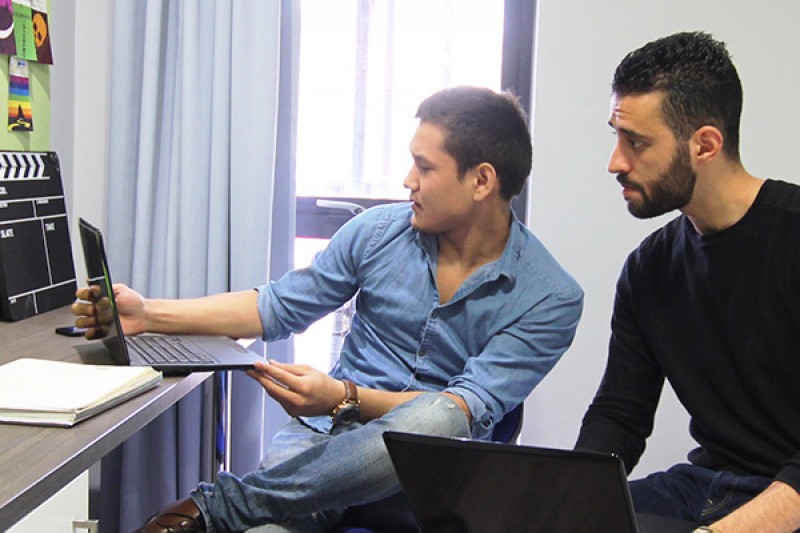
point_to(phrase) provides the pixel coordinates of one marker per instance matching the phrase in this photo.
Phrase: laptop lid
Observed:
(97, 273)
(223, 353)
(456, 485)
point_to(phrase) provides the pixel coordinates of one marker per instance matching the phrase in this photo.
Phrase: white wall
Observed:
(80, 80)
(79, 91)
(576, 206)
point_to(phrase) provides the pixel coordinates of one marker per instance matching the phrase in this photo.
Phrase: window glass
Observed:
(364, 68)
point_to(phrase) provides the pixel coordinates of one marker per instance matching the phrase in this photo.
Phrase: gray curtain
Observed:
(192, 190)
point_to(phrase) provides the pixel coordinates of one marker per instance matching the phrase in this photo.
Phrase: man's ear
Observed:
(706, 143)
(486, 181)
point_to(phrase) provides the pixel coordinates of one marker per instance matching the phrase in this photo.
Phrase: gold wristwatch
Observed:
(349, 410)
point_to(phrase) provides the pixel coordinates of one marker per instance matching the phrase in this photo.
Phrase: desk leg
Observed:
(92, 526)
(220, 425)
(227, 421)
(214, 418)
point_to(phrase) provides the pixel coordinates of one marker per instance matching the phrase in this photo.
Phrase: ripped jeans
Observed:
(309, 478)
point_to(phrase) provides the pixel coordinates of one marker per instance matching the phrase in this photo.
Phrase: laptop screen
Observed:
(461, 486)
(98, 274)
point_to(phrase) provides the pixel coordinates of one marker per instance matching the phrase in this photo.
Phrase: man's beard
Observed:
(672, 190)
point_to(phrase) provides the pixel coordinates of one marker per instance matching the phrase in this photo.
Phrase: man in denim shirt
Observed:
(460, 313)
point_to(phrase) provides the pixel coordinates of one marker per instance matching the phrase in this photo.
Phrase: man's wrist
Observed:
(706, 529)
(349, 410)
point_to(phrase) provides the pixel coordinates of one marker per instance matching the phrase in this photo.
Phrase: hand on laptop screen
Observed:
(93, 309)
(95, 306)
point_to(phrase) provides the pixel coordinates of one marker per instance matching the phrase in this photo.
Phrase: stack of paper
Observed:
(56, 393)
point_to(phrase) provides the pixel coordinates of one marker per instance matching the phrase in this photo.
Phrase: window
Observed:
(364, 67)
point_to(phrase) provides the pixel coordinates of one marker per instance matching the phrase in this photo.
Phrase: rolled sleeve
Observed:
(270, 319)
(517, 359)
(481, 421)
(303, 296)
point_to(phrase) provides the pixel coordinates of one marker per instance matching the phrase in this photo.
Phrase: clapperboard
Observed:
(37, 272)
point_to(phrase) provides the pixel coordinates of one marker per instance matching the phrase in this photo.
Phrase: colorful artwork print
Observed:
(20, 112)
(23, 30)
(8, 44)
(41, 32)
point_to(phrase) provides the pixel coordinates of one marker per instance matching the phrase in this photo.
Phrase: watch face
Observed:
(348, 414)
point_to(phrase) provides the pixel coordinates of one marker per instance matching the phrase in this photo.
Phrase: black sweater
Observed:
(719, 316)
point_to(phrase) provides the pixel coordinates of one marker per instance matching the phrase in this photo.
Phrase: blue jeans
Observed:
(309, 478)
(694, 493)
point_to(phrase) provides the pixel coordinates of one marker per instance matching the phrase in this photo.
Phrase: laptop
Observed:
(172, 354)
(459, 486)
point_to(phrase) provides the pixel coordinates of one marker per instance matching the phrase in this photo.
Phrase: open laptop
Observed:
(169, 353)
(459, 486)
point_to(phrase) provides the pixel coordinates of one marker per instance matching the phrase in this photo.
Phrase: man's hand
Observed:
(94, 310)
(301, 390)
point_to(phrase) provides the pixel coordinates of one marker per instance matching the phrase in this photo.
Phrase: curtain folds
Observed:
(191, 190)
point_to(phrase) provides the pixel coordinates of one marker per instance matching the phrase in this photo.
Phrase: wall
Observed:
(39, 84)
(80, 87)
(576, 207)
(80, 82)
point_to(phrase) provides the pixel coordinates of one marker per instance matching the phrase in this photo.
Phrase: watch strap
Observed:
(351, 392)
(350, 399)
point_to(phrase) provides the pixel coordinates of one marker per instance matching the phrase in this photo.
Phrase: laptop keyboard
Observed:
(164, 349)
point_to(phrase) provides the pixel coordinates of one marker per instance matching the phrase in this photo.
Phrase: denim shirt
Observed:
(491, 344)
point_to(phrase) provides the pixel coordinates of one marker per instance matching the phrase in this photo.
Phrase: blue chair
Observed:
(393, 514)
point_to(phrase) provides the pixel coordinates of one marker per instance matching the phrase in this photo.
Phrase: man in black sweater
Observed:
(711, 301)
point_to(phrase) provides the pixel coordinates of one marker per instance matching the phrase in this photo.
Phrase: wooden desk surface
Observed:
(37, 461)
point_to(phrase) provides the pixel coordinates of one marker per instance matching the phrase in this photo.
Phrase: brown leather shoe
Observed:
(181, 517)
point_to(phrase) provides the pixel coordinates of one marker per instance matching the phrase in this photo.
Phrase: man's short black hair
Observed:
(696, 75)
(483, 126)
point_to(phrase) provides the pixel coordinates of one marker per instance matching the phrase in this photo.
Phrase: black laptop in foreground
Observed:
(459, 486)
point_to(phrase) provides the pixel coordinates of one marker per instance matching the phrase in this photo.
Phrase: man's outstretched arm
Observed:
(232, 314)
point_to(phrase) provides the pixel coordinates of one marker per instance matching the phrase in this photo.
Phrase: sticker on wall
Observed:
(23, 30)
(8, 44)
(41, 32)
(20, 113)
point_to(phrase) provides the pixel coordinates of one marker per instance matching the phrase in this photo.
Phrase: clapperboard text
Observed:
(36, 267)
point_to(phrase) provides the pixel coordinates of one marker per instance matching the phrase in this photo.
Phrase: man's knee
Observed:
(430, 413)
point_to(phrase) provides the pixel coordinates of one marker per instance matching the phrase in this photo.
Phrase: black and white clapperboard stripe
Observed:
(22, 165)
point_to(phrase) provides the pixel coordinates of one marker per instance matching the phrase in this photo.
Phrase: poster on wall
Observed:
(41, 32)
(23, 30)
(20, 113)
(8, 44)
